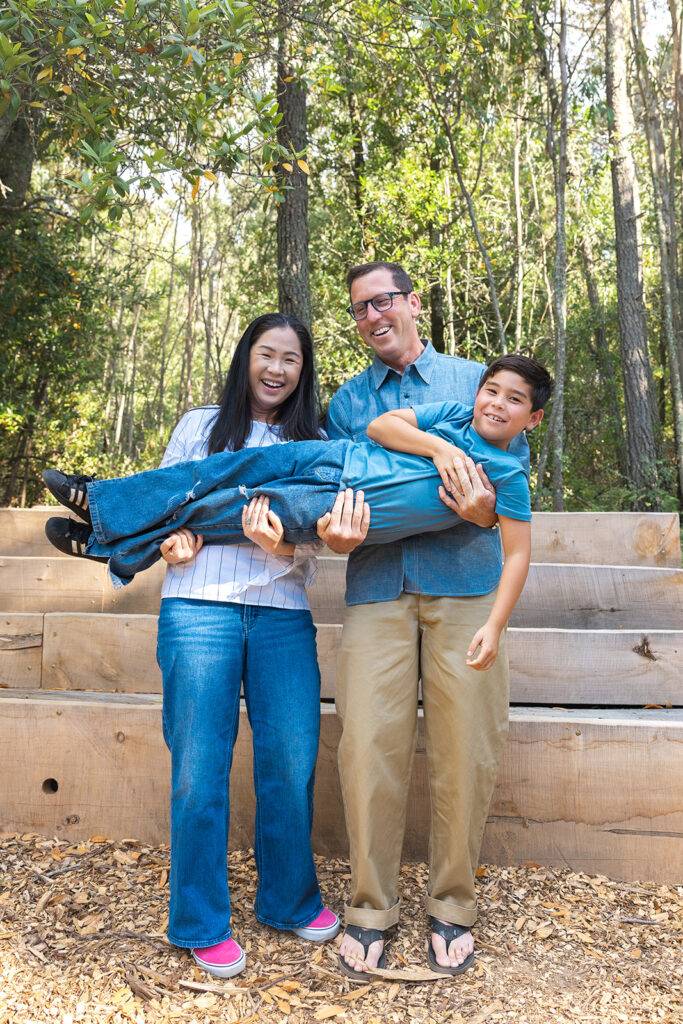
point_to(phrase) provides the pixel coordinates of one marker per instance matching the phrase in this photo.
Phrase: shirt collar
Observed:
(424, 364)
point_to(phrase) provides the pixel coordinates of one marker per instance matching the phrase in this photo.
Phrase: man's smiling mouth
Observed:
(381, 331)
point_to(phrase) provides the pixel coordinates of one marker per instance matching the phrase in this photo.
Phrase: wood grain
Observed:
(115, 652)
(611, 793)
(21, 640)
(600, 538)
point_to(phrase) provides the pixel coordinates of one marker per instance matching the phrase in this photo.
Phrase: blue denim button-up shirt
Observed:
(461, 562)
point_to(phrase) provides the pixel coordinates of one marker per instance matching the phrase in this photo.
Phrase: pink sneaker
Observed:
(224, 960)
(325, 926)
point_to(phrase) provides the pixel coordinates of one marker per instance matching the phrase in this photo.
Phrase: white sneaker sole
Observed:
(222, 970)
(318, 934)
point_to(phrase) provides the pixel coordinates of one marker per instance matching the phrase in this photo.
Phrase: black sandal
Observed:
(448, 932)
(366, 937)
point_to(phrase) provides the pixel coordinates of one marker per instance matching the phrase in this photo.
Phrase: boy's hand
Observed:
(486, 639)
(263, 527)
(346, 526)
(181, 546)
(450, 464)
(473, 497)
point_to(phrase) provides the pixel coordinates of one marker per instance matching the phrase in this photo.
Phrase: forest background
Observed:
(169, 170)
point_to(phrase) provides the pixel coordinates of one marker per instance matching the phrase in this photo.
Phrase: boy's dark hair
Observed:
(299, 415)
(533, 372)
(398, 275)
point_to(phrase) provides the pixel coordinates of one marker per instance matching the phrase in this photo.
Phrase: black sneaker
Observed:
(70, 537)
(70, 491)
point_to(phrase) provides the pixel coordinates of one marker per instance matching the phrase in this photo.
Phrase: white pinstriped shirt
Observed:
(242, 573)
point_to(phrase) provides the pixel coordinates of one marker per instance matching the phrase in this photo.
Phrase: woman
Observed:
(239, 615)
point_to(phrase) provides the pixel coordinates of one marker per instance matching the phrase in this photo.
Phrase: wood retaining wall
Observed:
(592, 775)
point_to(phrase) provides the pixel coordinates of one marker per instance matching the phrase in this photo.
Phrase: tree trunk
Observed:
(167, 324)
(17, 153)
(185, 389)
(436, 289)
(519, 231)
(294, 289)
(662, 204)
(638, 399)
(604, 358)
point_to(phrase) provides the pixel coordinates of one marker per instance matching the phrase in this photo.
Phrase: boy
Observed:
(420, 447)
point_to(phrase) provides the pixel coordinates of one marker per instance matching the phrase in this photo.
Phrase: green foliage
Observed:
(50, 323)
(136, 92)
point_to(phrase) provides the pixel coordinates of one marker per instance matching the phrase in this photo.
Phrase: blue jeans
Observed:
(205, 650)
(132, 515)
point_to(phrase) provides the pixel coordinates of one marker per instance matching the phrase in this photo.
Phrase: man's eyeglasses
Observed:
(359, 310)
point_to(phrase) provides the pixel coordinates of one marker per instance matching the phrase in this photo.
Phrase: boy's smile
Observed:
(502, 408)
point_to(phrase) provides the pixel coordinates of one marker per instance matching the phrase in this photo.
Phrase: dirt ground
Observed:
(82, 939)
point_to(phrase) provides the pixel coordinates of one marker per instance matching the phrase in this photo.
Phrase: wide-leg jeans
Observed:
(132, 515)
(205, 650)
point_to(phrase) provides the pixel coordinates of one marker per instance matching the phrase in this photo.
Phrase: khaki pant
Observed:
(385, 648)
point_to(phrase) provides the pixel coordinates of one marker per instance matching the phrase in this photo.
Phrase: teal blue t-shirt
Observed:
(403, 490)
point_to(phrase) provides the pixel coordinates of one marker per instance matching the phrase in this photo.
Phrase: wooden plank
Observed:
(34, 584)
(613, 666)
(22, 530)
(600, 538)
(21, 642)
(101, 652)
(595, 791)
(607, 538)
(560, 596)
(115, 652)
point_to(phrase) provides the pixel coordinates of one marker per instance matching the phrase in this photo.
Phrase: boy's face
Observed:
(502, 408)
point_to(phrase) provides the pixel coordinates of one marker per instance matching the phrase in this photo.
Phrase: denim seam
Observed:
(288, 927)
(185, 944)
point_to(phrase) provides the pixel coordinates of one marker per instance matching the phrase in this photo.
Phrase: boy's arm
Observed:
(516, 537)
(399, 431)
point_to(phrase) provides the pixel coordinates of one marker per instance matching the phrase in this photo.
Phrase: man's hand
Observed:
(346, 526)
(181, 546)
(474, 498)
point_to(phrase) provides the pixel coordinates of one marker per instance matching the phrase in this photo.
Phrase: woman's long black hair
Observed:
(298, 417)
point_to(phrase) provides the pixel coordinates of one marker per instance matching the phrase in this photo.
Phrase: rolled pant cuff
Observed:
(451, 912)
(366, 917)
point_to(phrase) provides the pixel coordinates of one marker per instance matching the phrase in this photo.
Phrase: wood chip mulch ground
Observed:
(82, 939)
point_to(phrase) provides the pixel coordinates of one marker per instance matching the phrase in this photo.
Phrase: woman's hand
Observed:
(263, 527)
(486, 639)
(450, 464)
(181, 546)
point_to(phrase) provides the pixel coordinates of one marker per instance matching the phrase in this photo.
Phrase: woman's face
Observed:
(275, 364)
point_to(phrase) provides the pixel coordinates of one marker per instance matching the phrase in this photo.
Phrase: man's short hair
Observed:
(534, 373)
(398, 275)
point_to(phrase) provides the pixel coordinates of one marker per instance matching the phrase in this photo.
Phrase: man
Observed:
(405, 620)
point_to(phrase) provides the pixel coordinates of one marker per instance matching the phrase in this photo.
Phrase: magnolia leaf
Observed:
(66, 89)
(36, 104)
(211, 176)
(442, 69)
(304, 166)
(237, 59)
(288, 167)
(195, 188)
(45, 73)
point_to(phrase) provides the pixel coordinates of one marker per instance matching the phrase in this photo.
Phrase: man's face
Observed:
(393, 333)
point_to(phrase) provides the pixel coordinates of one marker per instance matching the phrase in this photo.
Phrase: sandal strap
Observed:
(366, 936)
(447, 931)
